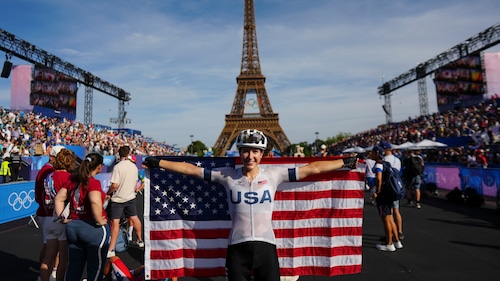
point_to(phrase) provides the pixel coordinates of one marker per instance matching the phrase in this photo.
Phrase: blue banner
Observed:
(484, 181)
(17, 200)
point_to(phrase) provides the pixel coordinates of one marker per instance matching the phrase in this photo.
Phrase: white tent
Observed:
(405, 145)
(428, 144)
(356, 149)
(369, 148)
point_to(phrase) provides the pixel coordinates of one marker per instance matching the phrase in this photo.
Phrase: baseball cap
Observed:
(55, 150)
(132, 158)
(385, 145)
(323, 146)
(378, 150)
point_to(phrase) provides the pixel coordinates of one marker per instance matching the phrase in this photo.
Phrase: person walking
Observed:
(87, 229)
(413, 168)
(384, 207)
(123, 194)
(252, 244)
(56, 243)
(395, 163)
(370, 179)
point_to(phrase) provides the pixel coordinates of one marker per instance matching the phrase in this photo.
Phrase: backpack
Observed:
(50, 191)
(392, 185)
(456, 196)
(414, 166)
(472, 197)
(122, 242)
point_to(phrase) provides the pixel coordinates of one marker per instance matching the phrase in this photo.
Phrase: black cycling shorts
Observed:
(253, 257)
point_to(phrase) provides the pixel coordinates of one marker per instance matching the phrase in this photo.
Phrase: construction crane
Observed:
(482, 41)
(14, 46)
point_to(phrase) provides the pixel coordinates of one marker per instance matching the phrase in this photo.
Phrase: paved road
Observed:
(443, 242)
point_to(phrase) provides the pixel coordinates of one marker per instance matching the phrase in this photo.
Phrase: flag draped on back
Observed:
(317, 221)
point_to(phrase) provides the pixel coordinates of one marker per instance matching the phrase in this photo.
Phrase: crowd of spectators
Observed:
(33, 134)
(478, 123)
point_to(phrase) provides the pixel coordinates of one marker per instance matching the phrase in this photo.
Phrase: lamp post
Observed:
(191, 150)
(316, 143)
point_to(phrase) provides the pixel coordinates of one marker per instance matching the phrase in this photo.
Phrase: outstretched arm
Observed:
(178, 167)
(319, 167)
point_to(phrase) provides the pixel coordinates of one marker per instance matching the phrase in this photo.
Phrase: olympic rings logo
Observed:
(22, 200)
(251, 103)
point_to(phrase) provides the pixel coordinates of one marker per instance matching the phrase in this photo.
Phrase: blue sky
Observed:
(179, 59)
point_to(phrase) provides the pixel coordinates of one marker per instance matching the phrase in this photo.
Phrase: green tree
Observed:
(197, 148)
(338, 138)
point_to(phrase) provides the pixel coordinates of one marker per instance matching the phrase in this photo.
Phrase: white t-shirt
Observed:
(370, 163)
(125, 175)
(395, 162)
(251, 204)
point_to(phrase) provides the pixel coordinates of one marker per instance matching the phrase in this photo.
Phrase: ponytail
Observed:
(88, 165)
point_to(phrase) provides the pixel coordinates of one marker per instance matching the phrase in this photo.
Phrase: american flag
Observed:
(317, 221)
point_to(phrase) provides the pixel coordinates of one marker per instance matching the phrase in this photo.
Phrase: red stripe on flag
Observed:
(321, 270)
(188, 253)
(188, 234)
(317, 213)
(319, 251)
(166, 273)
(307, 195)
(318, 231)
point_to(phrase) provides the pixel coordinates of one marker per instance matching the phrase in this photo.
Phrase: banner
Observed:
(459, 83)
(317, 222)
(492, 72)
(54, 94)
(444, 177)
(17, 201)
(20, 88)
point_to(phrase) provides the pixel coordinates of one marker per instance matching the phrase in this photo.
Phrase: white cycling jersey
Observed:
(251, 204)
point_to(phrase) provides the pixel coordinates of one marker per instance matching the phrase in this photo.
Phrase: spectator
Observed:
(370, 175)
(385, 208)
(56, 232)
(15, 163)
(87, 230)
(45, 201)
(481, 159)
(323, 152)
(395, 163)
(123, 194)
(5, 170)
(413, 169)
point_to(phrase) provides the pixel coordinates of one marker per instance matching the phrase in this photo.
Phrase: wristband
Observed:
(350, 162)
(152, 162)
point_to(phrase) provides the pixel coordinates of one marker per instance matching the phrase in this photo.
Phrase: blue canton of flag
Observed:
(175, 196)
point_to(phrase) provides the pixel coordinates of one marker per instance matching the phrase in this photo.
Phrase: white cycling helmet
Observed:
(251, 138)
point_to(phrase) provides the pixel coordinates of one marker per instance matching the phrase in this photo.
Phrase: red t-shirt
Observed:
(62, 179)
(80, 203)
(40, 195)
(481, 159)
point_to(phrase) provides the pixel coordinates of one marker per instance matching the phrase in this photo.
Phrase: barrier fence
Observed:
(17, 199)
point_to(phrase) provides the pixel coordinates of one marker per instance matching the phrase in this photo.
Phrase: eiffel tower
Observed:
(251, 92)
